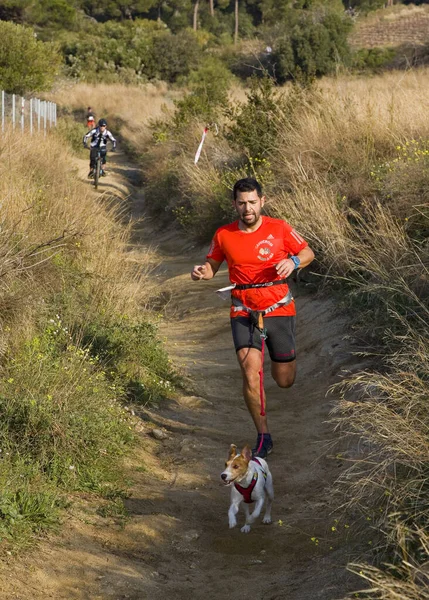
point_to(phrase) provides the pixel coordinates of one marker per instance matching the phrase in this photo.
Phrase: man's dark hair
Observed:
(248, 184)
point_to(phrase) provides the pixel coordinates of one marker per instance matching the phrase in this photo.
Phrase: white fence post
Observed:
(13, 111)
(22, 114)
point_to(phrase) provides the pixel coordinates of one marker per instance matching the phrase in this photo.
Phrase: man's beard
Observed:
(246, 220)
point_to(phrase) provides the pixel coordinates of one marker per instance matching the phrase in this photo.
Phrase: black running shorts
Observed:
(280, 336)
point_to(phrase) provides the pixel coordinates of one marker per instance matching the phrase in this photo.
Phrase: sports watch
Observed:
(296, 261)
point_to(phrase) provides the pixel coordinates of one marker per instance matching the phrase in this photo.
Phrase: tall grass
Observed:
(76, 342)
(355, 169)
(129, 109)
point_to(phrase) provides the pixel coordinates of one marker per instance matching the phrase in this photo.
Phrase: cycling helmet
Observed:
(102, 123)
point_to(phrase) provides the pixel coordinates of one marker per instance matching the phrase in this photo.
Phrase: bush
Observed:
(174, 56)
(131, 52)
(373, 59)
(54, 14)
(209, 86)
(26, 64)
(313, 48)
(253, 128)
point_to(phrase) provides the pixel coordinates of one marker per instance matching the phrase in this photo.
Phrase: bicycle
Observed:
(97, 170)
(98, 160)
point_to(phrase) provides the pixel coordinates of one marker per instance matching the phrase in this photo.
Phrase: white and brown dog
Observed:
(251, 481)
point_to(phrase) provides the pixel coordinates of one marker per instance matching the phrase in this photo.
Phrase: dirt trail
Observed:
(176, 542)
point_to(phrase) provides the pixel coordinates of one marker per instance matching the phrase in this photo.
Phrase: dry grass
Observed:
(129, 108)
(348, 124)
(346, 130)
(50, 223)
(74, 342)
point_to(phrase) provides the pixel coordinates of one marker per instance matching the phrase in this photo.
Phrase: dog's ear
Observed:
(232, 451)
(246, 453)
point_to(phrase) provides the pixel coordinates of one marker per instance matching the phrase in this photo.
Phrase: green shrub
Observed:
(28, 503)
(130, 52)
(373, 59)
(72, 133)
(402, 185)
(174, 56)
(26, 64)
(253, 127)
(314, 47)
(59, 410)
(55, 14)
(133, 357)
(208, 95)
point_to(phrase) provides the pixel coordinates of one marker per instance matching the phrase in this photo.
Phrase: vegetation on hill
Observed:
(137, 42)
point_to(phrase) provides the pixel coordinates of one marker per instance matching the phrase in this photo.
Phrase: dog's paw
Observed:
(245, 529)
(266, 520)
(232, 523)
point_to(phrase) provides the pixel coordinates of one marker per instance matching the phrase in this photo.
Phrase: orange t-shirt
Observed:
(251, 258)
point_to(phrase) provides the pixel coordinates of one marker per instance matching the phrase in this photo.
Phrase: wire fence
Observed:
(30, 115)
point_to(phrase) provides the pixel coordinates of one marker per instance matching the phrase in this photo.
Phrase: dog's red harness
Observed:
(247, 492)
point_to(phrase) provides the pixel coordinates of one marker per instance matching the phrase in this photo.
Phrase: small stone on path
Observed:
(159, 434)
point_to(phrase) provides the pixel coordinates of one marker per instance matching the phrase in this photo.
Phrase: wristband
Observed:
(296, 261)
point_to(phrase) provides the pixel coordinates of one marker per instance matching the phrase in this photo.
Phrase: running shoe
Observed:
(103, 173)
(262, 451)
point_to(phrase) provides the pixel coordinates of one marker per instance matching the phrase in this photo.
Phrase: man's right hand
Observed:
(198, 272)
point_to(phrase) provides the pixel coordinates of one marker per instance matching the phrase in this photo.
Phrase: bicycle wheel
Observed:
(97, 171)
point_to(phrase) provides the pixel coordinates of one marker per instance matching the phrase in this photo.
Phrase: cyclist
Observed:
(90, 118)
(100, 135)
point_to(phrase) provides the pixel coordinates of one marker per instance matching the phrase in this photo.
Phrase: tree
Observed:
(13, 10)
(313, 48)
(195, 20)
(26, 64)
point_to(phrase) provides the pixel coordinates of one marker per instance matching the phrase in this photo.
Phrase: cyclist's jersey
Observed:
(99, 138)
(251, 258)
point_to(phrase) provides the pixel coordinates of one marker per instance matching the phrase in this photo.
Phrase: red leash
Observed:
(261, 375)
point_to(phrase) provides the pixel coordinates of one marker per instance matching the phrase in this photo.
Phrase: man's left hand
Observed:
(285, 267)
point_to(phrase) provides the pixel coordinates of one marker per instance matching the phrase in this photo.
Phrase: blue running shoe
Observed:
(262, 450)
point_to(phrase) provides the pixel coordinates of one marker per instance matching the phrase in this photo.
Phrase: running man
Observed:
(259, 250)
(100, 135)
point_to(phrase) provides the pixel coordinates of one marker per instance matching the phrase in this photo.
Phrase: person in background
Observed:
(99, 136)
(90, 118)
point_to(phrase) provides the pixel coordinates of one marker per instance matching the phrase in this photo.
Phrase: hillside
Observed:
(392, 27)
